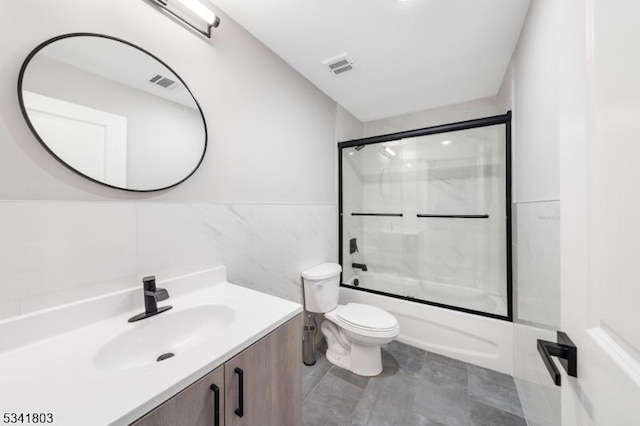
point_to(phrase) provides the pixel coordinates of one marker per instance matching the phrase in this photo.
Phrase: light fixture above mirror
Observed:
(193, 13)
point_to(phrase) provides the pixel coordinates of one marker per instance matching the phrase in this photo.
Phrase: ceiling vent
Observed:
(164, 82)
(340, 64)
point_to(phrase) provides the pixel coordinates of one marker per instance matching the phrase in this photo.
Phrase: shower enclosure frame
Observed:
(433, 130)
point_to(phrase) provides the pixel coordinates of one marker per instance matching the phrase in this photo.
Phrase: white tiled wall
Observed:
(52, 248)
(539, 396)
(537, 280)
(538, 262)
(264, 246)
(57, 252)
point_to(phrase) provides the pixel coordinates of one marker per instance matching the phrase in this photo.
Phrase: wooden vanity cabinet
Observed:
(270, 374)
(260, 386)
(194, 406)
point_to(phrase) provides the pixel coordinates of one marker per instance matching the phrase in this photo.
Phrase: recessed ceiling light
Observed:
(446, 142)
(408, 164)
(351, 153)
(388, 151)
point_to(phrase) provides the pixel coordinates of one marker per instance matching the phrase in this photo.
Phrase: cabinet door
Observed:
(194, 406)
(270, 373)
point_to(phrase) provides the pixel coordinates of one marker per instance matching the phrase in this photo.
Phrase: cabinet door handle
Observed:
(240, 410)
(216, 405)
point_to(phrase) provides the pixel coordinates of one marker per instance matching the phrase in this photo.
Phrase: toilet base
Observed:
(338, 359)
(363, 360)
(366, 360)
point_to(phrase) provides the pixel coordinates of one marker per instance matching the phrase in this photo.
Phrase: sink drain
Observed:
(165, 356)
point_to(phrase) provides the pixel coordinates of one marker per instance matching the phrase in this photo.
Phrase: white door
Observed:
(600, 210)
(92, 141)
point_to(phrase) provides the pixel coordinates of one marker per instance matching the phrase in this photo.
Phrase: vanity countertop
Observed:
(48, 359)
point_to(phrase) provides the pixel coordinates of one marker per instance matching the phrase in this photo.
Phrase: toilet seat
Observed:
(367, 317)
(357, 320)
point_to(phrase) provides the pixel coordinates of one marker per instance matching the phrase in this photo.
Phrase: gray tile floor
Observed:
(415, 388)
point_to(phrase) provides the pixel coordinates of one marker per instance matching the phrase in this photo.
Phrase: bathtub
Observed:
(479, 340)
(446, 294)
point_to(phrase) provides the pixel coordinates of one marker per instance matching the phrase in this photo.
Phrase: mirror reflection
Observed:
(112, 112)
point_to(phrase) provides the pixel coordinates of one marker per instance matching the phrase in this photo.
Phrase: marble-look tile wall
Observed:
(536, 248)
(75, 250)
(540, 397)
(264, 247)
(537, 256)
(51, 249)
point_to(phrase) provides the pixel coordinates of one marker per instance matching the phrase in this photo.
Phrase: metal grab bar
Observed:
(378, 214)
(457, 216)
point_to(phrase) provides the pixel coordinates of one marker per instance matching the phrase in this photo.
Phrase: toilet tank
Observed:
(321, 287)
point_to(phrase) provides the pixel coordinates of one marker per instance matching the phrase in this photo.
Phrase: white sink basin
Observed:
(173, 331)
(50, 360)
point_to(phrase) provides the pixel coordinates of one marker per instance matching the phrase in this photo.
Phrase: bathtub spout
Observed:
(359, 266)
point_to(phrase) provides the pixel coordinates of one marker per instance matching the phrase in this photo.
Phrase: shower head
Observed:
(359, 147)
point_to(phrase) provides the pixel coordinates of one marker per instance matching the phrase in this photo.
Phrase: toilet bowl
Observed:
(354, 334)
(355, 331)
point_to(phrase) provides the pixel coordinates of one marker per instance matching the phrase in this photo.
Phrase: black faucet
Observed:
(152, 296)
(359, 266)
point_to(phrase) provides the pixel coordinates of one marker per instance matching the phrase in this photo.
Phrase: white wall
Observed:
(347, 125)
(256, 107)
(531, 89)
(535, 64)
(479, 108)
(263, 201)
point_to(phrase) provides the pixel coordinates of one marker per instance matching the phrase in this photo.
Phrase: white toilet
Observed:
(354, 331)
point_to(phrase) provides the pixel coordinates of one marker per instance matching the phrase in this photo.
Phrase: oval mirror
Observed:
(112, 112)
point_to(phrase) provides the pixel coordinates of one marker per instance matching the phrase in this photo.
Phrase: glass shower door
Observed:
(425, 218)
(461, 219)
(373, 193)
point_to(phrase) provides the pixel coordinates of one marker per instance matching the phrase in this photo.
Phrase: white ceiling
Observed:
(410, 55)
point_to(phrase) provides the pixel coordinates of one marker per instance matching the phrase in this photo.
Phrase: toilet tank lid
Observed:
(322, 272)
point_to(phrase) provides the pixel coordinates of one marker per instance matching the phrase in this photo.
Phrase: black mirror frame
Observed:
(60, 160)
